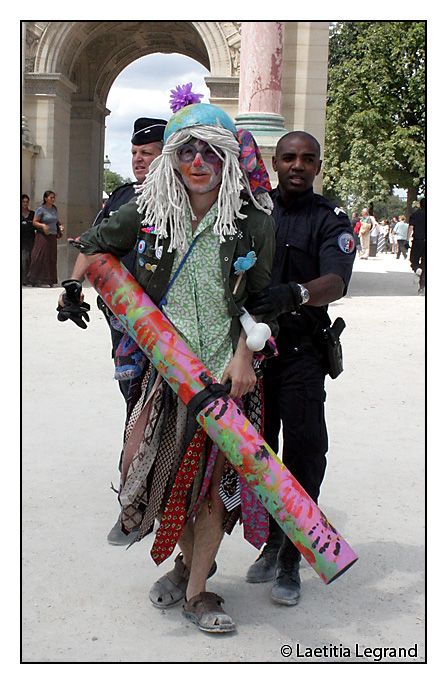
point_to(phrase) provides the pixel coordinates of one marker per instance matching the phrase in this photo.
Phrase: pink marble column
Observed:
(261, 66)
(260, 85)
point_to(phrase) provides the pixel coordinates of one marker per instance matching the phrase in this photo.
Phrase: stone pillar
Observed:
(87, 133)
(260, 85)
(261, 66)
(304, 80)
(30, 152)
(69, 136)
(47, 107)
(224, 91)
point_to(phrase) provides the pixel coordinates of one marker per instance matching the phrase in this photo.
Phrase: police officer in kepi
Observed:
(147, 144)
(313, 264)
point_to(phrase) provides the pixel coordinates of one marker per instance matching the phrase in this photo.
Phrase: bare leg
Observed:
(208, 532)
(199, 544)
(186, 543)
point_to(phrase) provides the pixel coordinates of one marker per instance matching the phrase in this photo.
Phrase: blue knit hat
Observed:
(199, 115)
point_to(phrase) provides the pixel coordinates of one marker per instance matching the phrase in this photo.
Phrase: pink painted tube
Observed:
(297, 514)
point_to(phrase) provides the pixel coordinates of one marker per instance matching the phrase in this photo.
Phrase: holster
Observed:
(328, 342)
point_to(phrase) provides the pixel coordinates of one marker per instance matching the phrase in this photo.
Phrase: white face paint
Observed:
(199, 166)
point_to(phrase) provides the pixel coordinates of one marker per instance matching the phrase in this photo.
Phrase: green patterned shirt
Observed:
(196, 302)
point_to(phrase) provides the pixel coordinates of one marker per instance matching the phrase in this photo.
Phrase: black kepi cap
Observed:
(148, 131)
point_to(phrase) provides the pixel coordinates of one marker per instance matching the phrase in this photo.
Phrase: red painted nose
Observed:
(198, 161)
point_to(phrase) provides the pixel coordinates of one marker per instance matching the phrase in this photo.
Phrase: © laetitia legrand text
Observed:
(357, 651)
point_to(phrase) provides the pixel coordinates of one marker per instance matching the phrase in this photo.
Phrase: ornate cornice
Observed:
(49, 84)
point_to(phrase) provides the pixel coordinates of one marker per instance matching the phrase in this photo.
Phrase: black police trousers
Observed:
(418, 257)
(294, 396)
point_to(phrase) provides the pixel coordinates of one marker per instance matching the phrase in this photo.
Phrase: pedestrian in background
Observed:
(27, 234)
(393, 239)
(355, 225)
(43, 267)
(401, 233)
(384, 236)
(382, 239)
(365, 230)
(374, 236)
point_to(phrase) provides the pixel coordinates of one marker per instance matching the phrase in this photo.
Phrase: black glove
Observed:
(73, 308)
(275, 300)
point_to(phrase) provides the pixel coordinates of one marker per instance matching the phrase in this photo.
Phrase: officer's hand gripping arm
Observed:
(275, 300)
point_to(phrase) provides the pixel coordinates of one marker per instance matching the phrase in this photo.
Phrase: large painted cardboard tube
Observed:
(296, 513)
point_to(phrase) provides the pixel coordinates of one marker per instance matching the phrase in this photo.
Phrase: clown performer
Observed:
(204, 205)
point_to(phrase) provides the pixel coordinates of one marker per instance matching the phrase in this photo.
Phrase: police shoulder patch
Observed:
(346, 243)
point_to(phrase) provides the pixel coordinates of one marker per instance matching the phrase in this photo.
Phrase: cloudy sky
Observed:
(143, 89)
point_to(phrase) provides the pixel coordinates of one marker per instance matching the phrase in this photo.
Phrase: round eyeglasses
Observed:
(187, 153)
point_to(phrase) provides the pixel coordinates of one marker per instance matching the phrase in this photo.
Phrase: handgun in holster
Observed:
(332, 349)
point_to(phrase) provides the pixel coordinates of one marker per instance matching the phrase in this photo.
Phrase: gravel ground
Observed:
(84, 601)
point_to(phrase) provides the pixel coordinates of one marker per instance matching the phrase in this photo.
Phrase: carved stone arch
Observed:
(223, 41)
(148, 38)
(63, 46)
(53, 44)
(216, 44)
(70, 67)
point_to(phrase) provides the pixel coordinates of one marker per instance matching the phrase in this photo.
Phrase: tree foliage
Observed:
(375, 128)
(392, 206)
(112, 180)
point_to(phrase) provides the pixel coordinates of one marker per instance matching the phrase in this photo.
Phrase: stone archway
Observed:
(69, 68)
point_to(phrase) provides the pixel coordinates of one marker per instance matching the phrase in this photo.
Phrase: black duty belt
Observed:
(291, 344)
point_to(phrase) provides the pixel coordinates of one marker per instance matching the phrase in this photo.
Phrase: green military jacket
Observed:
(123, 230)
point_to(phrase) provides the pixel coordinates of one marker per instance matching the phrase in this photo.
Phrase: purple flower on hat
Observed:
(182, 95)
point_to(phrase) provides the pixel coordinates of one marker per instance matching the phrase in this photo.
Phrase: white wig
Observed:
(163, 200)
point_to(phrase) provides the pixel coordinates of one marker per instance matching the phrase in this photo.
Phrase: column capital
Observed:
(49, 85)
(223, 87)
(82, 109)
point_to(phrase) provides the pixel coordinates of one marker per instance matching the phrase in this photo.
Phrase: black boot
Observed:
(286, 588)
(264, 567)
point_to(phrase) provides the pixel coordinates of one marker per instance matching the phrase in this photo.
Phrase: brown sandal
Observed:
(205, 611)
(170, 589)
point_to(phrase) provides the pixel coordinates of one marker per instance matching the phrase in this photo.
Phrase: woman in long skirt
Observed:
(43, 267)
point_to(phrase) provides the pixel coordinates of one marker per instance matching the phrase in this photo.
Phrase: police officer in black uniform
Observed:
(147, 144)
(418, 253)
(313, 264)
